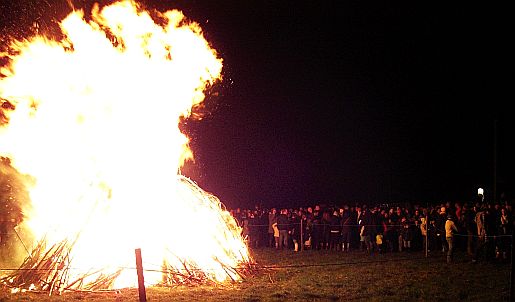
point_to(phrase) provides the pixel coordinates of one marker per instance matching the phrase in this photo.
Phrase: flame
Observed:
(96, 127)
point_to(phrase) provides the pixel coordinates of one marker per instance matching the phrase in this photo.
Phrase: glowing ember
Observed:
(95, 125)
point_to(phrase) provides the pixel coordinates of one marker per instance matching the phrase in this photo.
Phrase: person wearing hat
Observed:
(450, 229)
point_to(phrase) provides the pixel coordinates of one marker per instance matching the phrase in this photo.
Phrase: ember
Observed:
(92, 120)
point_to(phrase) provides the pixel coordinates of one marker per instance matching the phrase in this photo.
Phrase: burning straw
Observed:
(189, 274)
(48, 270)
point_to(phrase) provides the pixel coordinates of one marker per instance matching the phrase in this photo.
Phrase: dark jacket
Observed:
(283, 223)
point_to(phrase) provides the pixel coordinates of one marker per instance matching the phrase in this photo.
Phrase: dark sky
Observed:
(339, 101)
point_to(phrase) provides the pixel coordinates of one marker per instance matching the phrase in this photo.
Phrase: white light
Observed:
(480, 191)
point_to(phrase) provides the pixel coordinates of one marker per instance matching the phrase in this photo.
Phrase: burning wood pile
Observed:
(48, 270)
(93, 122)
(190, 275)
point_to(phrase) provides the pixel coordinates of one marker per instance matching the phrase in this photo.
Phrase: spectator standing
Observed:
(381, 230)
(326, 229)
(504, 232)
(375, 226)
(245, 231)
(483, 232)
(406, 234)
(440, 228)
(295, 231)
(390, 235)
(450, 230)
(316, 231)
(366, 229)
(263, 227)
(283, 224)
(347, 223)
(276, 235)
(469, 225)
(399, 215)
(335, 231)
(307, 225)
(272, 218)
(254, 228)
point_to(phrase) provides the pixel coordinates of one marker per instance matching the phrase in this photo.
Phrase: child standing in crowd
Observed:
(272, 218)
(407, 234)
(276, 234)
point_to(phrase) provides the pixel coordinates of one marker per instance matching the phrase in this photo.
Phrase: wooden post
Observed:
(301, 234)
(495, 162)
(427, 230)
(512, 275)
(141, 280)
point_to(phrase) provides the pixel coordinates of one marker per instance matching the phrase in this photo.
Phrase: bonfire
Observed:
(91, 120)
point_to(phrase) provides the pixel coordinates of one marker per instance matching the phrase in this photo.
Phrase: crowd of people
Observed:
(483, 230)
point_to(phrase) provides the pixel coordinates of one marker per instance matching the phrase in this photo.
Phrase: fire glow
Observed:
(95, 126)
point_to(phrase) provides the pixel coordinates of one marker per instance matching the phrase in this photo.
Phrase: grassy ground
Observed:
(334, 276)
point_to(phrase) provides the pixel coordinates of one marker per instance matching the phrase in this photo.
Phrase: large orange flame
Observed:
(96, 126)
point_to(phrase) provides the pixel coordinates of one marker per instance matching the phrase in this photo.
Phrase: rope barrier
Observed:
(239, 268)
(485, 236)
(321, 224)
(475, 236)
(256, 266)
(390, 225)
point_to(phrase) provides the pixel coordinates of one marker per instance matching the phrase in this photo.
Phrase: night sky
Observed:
(342, 102)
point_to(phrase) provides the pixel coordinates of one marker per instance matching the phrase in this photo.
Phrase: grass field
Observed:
(333, 276)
